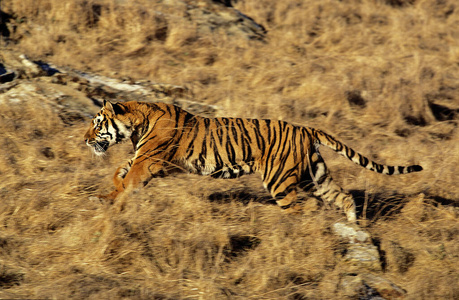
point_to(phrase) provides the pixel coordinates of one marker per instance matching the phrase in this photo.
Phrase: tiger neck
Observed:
(144, 119)
(139, 128)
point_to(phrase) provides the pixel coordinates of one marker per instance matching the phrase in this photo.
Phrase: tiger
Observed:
(165, 136)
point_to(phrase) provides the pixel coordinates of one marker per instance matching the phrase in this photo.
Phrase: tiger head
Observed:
(108, 127)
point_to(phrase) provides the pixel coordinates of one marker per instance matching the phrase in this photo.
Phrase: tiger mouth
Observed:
(101, 147)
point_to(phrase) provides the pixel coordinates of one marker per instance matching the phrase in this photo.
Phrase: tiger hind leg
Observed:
(285, 194)
(325, 188)
(330, 192)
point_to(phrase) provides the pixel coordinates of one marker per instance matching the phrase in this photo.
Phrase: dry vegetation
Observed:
(383, 76)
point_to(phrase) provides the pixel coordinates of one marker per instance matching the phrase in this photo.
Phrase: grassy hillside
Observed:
(382, 76)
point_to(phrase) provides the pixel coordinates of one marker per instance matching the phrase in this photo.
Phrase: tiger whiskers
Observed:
(99, 150)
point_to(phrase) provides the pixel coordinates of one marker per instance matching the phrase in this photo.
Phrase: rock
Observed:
(20, 65)
(362, 256)
(211, 16)
(360, 252)
(31, 69)
(351, 232)
(78, 95)
(70, 105)
(360, 260)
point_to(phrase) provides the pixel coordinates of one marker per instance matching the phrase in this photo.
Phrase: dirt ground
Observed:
(381, 76)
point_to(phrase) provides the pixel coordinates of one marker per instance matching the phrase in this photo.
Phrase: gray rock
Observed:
(351, 232)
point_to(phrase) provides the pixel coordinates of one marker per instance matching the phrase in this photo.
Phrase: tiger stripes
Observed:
(167, 137)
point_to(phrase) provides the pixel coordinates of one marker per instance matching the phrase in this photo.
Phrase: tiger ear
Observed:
(108, 106)
(113, 108)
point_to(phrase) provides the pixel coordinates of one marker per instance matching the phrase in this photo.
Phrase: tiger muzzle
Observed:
(99, 146)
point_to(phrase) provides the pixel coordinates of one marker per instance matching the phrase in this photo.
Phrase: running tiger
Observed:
(166, 136)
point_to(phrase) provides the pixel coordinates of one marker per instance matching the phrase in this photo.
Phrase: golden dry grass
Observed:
(382, 78)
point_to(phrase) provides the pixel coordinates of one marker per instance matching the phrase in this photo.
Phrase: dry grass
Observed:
(383, 78)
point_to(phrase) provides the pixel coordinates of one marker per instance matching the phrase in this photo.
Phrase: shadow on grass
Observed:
(9, 278)
(369, 206)
(239, 245)
(373, 206)
(242, 196)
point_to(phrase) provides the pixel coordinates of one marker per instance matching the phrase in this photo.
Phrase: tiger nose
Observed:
(86, 137)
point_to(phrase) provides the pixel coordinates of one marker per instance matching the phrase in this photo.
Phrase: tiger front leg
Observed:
(133, 175)
(121, 173)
